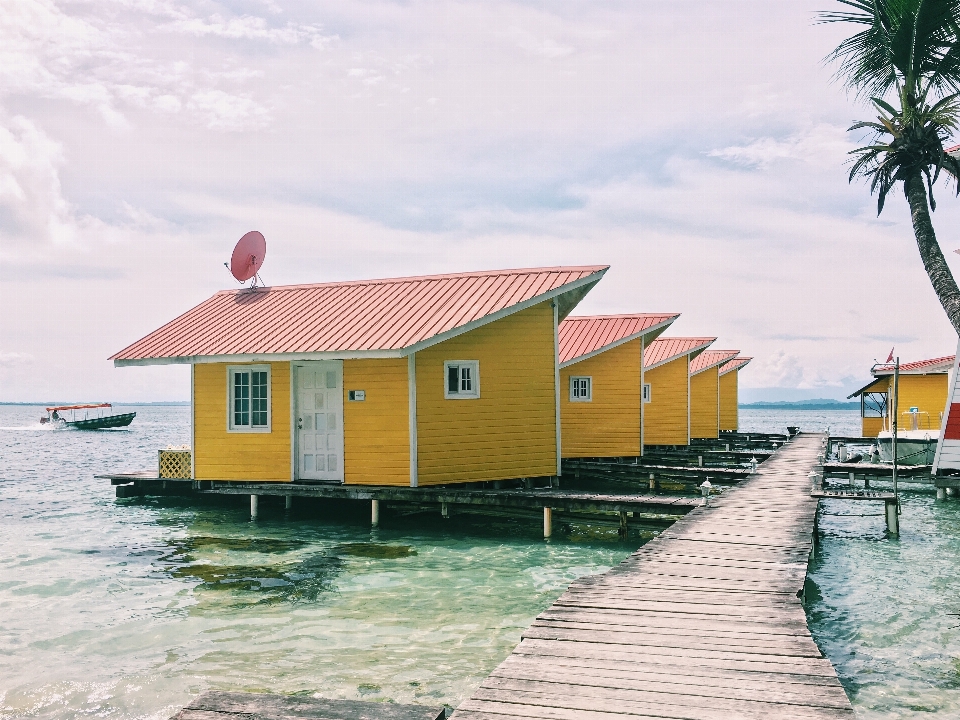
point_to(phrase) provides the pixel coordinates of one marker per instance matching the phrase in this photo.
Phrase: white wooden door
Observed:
(319, 420)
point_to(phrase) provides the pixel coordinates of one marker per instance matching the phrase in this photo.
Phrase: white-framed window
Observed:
(461, 379)
(248, 398)
(581, 389)
(647, 392)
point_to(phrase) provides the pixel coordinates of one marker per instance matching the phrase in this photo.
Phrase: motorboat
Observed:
(99, 421)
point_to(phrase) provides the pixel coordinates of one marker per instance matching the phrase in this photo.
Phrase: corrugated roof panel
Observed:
(737, 363)
(389, 314)
(663, 350)
(933, 365)
(711, 358)
(580, 336)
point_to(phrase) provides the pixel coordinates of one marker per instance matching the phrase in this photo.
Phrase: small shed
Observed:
(730, 393)
(601, 382)
(405, 381)
(924, 386)
(705, 392)
(666, 373)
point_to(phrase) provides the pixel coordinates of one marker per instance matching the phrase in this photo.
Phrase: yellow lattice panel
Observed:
(175, 464)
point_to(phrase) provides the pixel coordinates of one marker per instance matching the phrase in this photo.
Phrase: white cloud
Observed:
(809, 146)
(32, 206)
(394, 138)
(9, 359)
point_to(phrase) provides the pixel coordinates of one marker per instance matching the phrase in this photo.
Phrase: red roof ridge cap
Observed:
(416, 278)
(620, 316)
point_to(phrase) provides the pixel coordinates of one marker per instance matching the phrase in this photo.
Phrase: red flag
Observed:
(890, 356)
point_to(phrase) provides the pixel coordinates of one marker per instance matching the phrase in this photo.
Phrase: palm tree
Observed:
(908, 47)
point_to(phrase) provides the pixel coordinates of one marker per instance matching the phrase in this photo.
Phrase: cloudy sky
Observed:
(697, 147)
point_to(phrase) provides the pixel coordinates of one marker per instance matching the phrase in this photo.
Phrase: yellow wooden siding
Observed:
(704, 398)
(665, 416)
(871, 426)
(223, 455)
(608, 425)
(926, 392)
(510, 430)
(376, 437)
(728, 401)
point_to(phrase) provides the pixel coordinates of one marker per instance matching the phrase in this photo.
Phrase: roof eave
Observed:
(260, 357)
(691, 354)
(713, 365)
(653, 330)
(866, 387)
(569, 294)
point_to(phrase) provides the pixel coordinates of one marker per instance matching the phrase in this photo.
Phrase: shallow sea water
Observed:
(129, 608)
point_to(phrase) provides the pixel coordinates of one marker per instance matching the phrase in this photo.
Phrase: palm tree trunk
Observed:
(933, 261)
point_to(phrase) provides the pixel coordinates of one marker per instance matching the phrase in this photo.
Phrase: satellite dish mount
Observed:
(247, 258)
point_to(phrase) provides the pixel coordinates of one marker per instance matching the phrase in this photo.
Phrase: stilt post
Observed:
(893, 520)
(547, 522)
(288, 502)
(253, 506)
(653, 482)
(374, 513)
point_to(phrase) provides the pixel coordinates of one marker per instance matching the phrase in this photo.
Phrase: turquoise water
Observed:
(129, 608)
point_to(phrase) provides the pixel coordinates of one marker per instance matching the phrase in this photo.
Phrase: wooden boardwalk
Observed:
(703, 623)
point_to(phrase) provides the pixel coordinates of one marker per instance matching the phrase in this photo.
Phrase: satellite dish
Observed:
(248, 257)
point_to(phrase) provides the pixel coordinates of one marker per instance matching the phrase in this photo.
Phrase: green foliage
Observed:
(910, 47)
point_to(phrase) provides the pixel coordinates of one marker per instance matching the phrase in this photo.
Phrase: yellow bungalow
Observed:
(602, 384)
(410, 381)
(705, 392)
(730, 393)
(922, 396)
(666, 374)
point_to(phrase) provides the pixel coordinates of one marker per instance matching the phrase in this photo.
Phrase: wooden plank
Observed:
(703, 622)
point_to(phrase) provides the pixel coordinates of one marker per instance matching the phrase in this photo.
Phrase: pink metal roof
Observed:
(584, 336)
(735, 364)
(920, 367)
(711, 358)
(388, 316)
(663, 350)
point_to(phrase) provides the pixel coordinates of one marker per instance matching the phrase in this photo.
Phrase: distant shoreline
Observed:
(800, 406)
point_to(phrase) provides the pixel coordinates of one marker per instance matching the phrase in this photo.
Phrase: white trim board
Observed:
(412, 418)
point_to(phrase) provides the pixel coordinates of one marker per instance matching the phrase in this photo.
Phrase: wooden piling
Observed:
(893, 519)
(547, 522)
(288, 503)
(253, 506)
(375, 512)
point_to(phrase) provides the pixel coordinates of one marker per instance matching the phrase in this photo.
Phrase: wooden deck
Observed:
(537, 498)
(703, 623)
